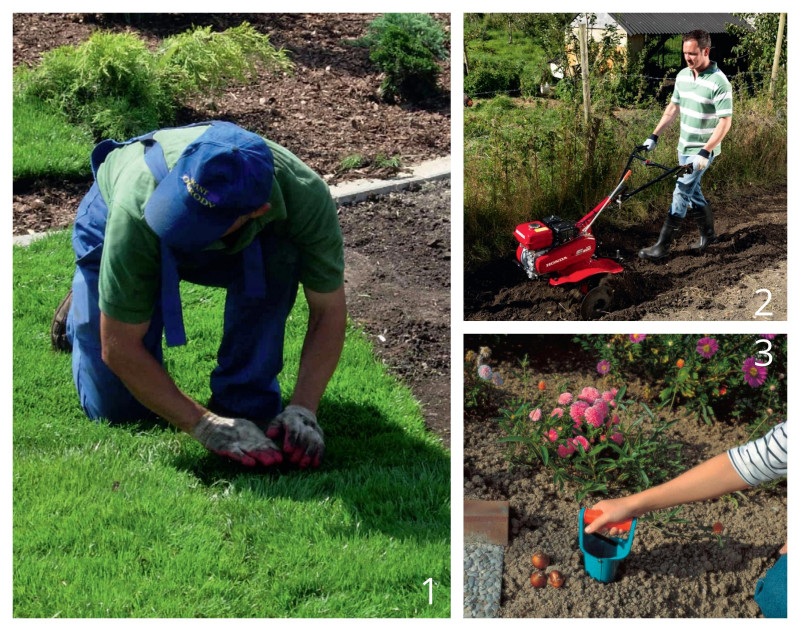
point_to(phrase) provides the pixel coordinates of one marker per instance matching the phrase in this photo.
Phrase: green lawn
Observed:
(46, 144)
(121, 521)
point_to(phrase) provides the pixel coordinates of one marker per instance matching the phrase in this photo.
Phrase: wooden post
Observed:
(777, 59)
(587, 99)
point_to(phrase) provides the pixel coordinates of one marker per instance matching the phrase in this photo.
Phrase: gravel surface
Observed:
(483, 575)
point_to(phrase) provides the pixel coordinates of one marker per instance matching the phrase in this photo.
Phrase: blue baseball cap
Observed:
(223, 174)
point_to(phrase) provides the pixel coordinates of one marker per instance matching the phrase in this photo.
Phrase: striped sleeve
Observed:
(762, 459)
(676, 97)
(723, 98)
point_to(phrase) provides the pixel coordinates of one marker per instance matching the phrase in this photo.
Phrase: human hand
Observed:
(237, 439)
(618, 510)
(700, 161)
(303, 440)
(651, 142)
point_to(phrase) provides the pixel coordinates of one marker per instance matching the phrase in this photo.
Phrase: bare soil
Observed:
(720, 284)
(681, 571)
(397, 248)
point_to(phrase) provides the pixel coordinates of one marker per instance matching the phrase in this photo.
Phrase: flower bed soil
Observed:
(680, 573)
(718, 285)
(397, 247)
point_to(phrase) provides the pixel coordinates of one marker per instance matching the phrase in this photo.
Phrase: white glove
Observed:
(700, 161)
(236, 438)
(303, 440)
(651, 142)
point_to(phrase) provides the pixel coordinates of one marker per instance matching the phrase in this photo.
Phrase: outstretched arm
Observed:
(708, 480)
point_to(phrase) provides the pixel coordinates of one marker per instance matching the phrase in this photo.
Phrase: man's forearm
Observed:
(322, 348)
(670, 113)
(148, 381)
(722, 128)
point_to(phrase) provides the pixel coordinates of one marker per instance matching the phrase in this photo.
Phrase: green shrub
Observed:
(489, 79)
(409, 67)
(110, 83)
(422, 27)
(116, 86)
(202, 61)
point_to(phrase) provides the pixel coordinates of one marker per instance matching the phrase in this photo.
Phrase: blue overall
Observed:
(261, 283)
(687, 189)
(771, 592)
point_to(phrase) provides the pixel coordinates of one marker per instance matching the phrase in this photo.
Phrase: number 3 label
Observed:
(766, 352)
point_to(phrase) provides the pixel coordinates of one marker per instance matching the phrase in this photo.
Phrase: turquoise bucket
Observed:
(601, 554)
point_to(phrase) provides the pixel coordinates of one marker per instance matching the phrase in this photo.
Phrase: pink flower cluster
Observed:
(590, 409)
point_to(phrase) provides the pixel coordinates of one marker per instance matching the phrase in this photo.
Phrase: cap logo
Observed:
(197, 192)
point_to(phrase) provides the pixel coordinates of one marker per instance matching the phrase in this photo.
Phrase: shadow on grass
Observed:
(389, 480)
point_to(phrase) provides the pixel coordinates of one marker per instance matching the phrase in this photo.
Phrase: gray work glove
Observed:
(303, 440)
(236, 438)
(651, 142)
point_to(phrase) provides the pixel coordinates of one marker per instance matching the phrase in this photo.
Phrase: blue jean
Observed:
(687, 189)
(771, 590)
(250, 356)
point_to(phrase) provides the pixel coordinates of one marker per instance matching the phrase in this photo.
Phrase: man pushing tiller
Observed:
(703, 99)
(216, 205)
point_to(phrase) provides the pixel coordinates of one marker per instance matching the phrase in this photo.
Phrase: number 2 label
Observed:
(761, 311)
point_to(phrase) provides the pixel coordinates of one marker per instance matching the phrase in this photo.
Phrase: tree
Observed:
(757, 44)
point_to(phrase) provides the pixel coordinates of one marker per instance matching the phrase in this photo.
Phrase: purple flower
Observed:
(603, 367)
(707, 346)
(616, 437)
(637, 337)
(484, 372)
(768, 336)
(754, 375)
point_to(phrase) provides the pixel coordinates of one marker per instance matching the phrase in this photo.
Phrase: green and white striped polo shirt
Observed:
(703, 101)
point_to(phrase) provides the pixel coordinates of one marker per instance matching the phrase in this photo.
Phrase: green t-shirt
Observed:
(301, 211)
(703, 101)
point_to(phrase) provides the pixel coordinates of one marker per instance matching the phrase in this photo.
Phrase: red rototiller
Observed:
(565, 252)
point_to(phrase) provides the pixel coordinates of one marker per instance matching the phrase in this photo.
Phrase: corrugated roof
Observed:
(674, 23)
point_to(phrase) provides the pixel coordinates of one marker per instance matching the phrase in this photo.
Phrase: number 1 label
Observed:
(429, 583)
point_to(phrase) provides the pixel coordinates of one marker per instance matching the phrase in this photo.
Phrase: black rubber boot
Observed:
(58, 327)
(668, 232)
(705, 223)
